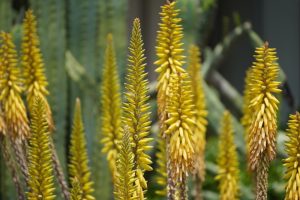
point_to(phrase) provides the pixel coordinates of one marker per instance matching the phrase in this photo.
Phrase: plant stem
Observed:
(21, 157)
(262, 179)
(183, 188)
(10, 165)
(59, 173)
(171, 187)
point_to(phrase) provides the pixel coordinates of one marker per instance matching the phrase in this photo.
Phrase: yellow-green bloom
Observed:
(35, 81)
(76, 191)
(110, 105)
(194, 70)
(78, 166)
(291, 163)
(14, 110)
(40, 169)
(125, 188)
(228, 173)
(136, 109)
(169, 52)
(180, 123)
(264, 105)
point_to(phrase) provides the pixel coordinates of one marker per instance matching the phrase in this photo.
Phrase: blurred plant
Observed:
(110, 106)
(78, 166)
(228, 173)
(291, 163)
(33, 66)
(194, 70)
(263, 128)
(161, 160)
(40, 183)
(136, 109)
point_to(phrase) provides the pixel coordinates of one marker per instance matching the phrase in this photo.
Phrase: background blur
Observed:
(72, 35)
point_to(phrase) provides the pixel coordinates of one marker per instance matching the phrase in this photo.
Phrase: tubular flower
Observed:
(125, 188)
(76, 191)
(78, 167)
(136, 109)
(10, 90)
(41, 183)
(180, 123)
(169, 52)
(111, 105)
(161, 178)
(264, 106)
(263, 126)
(33, 66)
(194, 70)
(228, 174)
(292, 148)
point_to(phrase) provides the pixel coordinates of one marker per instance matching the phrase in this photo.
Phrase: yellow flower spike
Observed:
(264, 107)
(110, 106)
(136, 108)
(78, 166)
(169, 52)
(228, 173)
(76, 191)
(14, 110)
(40, 170)
(181, 112)
(170, 60)
(161, 177)
(35, 80)
(125, 188)
(292, 174)
(194, 70)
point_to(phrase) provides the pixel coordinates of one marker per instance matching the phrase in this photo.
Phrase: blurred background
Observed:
(72, 35)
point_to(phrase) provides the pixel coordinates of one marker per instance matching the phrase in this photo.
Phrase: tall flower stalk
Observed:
(14, 119)
(228, 173)
(194, 70)
(78, 166)
(35, 80)
(136, 109)
(291, 163)
(264, 105)
(41, 180)
(14, 110)
(110, 106)
(170, 60)
(36, 83)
